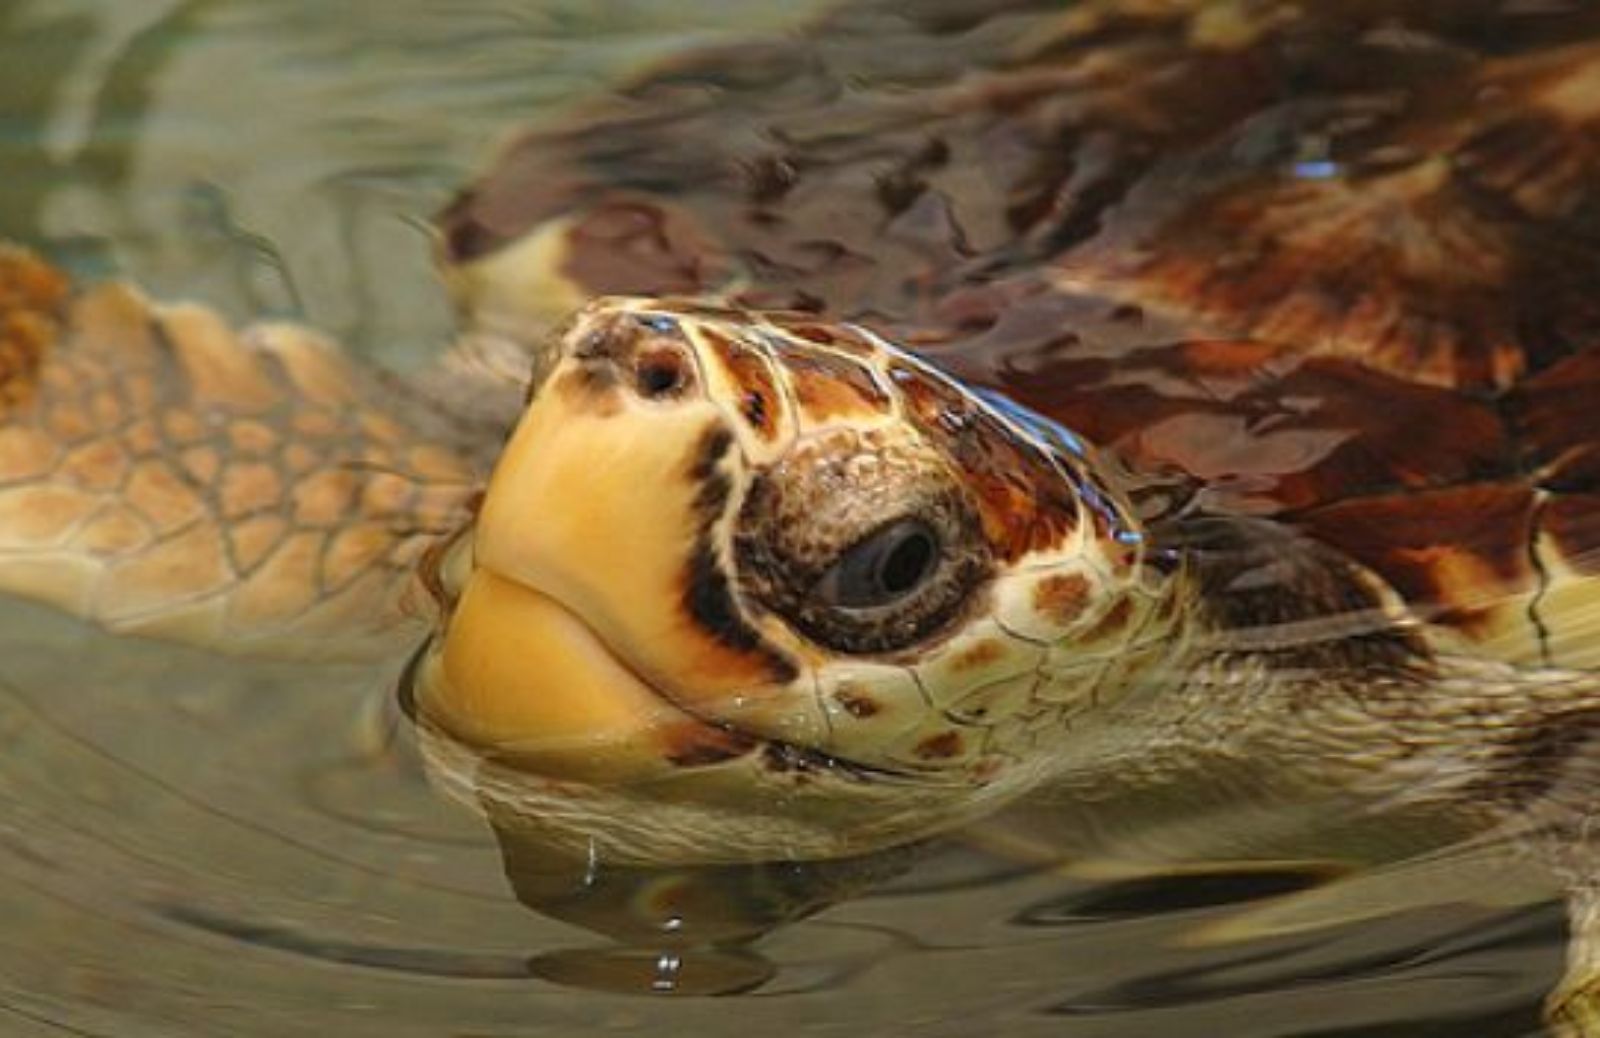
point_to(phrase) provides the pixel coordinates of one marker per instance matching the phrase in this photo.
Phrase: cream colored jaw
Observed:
(520, 674)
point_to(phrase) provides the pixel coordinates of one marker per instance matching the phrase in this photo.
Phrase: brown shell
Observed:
(1337, 262)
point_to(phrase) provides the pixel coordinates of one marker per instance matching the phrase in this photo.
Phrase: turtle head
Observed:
(746, 585)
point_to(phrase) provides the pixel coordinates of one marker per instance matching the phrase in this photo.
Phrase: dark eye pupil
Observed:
(907, 563)
(884, 567)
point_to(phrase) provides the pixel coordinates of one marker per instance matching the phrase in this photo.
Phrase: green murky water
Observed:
(191, 847)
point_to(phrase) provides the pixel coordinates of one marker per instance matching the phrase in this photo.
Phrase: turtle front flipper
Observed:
(166, 475)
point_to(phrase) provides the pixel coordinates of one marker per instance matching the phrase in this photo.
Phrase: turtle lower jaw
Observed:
(520, 676)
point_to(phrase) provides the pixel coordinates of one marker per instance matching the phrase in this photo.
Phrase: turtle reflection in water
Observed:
(1315, 289)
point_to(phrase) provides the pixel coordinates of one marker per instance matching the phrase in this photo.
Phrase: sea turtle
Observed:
(1146, 399)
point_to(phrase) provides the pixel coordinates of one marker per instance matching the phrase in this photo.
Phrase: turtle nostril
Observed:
(661, 373)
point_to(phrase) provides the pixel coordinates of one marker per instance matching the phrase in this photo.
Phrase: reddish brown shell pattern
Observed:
(1334, 263)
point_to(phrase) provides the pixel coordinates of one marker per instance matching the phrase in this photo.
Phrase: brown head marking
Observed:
(1112, 624)
(857, 702)
(748, 371)
(1062, 597)
(828, 385)
(696, 745)
(1026, 502)
(941, 746)
(708, 597)
(978, 655)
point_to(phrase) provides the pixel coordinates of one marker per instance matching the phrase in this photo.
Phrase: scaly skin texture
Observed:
(743, 714)
(1135, 668)
(1333, 262)
(162, 474)
(1102, 654)
(1321, 277)
(1252, 665)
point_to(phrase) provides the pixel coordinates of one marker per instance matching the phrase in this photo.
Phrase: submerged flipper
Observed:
(164, 474)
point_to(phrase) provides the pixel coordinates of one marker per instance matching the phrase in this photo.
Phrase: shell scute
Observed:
(1568, 553)
(1572, 524)
(1555, 416)
(1462, 556)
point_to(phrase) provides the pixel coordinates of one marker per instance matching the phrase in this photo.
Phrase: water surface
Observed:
(193, 847)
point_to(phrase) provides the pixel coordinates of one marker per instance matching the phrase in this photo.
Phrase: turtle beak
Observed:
(582, 636)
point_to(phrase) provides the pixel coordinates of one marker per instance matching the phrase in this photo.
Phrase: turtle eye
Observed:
(862, 547)
(883, 567)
